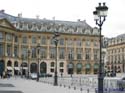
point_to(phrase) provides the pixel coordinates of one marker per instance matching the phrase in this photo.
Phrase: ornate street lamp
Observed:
(38, 56)
(28, 62)
(99, 17)
(55, 38)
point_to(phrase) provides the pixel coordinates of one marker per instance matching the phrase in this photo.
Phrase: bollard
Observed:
(74, 88)
(87, 90)
(69, 87)
(80, 89)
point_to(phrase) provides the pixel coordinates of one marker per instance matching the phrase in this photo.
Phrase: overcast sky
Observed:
(70, 10)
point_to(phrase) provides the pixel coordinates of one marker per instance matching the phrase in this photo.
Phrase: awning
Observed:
(16, 68)
(24, 67)
(9, 68)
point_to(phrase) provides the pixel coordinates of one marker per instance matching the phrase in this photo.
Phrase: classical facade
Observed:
(78, 46)
(116, 54)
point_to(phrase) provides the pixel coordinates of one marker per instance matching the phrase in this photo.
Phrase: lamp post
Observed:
(99, 17)
(22, 65)
(38, 56)
(56, 34)
(28, 63)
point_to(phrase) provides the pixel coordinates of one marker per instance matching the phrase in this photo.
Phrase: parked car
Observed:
(33, 75)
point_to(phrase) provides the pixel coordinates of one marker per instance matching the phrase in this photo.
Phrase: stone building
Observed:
(78, 46)
(116, 54)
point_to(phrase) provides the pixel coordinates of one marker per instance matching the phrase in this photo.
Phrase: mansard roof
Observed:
(30, 24)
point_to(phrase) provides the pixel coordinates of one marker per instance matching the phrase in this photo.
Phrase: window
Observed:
(33, 40)
(24, 39)
(9, 49)
(52, 70)
(70, 54)
(88, 52)
(52, 41)
(52, 64)
(1, 36)
(79, 53)
(61, 53)
(9, 37)
(78, 43)
(43, 40)
(52, 53)
(33, 52)
(87, 42)
(1, 50)
(95, 43)
(43, 52)
(61, 70)
(61, 41)
(15, 51)
(61, 64)
(24, 51)
(96, 52)
(15, 39)
(70, 42)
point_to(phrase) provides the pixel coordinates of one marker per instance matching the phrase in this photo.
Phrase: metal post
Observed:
(101, 12)
(22, 66)
(38, 52)
(28, 63)
(56, 77)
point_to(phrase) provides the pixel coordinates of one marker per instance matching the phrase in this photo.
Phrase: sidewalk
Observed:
(31, 86)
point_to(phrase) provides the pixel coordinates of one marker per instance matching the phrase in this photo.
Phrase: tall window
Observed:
(95, 43)
(15, 51)
(43, 52)
(87, 42)
(15, 39)
(79, 43)
(52, 41)
(33, 52)
(61, 64)
(24, 39)
(52, 64)
(33, 40)
(88, 52)
(79, 53)
(61, 53)
(1, 36)
(9, 49)
(1, 50)
(69, 42)
(70, 54)
(43, 40)
(61, 41)
(96, 52)
(9, 37)
(24, 51)
(52, 53)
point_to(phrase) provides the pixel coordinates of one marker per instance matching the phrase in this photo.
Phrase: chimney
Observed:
(2, 11)
(78, 20)
(37, 16)
(20, 15)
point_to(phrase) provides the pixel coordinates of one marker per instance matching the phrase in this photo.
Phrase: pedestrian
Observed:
(1, 74)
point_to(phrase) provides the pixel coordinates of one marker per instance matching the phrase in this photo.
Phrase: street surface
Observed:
(23, 85)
